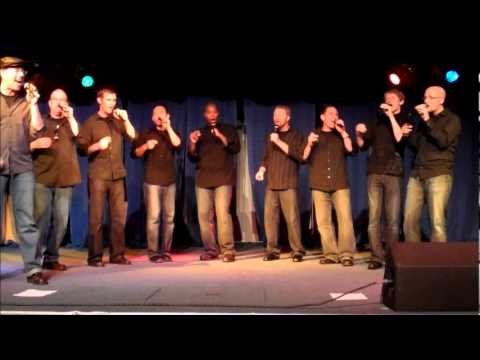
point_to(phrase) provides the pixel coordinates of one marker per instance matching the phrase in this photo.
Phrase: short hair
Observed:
(105, 90)
(397, 92)
(211, 103)
(284, 107)
(325, 107)
(161, 105)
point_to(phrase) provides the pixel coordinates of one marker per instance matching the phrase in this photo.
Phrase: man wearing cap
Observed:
(56, 171)
(20, 119)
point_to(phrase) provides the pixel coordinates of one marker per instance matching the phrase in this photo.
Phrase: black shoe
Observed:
(271, 257)
(372, 265)
(207, 257)
(37, 279)
(166, 258)
(122, 261)
(96, 263)
(156, 259)
(327, 261)
(297, 257)
(54, 265)
(228, 258)
(347, 262)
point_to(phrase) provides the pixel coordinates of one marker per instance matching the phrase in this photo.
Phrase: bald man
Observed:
(434, 143)
(157, 145)
(56, 171)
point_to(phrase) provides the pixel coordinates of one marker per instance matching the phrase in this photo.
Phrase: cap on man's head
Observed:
(11, 62)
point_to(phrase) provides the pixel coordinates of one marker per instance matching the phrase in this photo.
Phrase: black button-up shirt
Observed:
(58, 165)
(328, 165)
(215, 161)
(15, 134)
(385, 153)
(435, 143)
(104, 164)
(282, 169)
(159, 163)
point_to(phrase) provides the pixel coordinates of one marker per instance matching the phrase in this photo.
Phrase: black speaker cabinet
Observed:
(431, 277)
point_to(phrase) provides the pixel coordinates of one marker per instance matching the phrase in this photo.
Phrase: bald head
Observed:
(434, 98)
(58, 97)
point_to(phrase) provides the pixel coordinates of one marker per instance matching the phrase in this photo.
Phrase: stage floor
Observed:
(187, 285)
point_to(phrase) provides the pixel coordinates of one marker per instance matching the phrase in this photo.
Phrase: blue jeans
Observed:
(52, 202)
(160, 203)
(436, 192)
(384, 192)
(210, 202)
(21, 188)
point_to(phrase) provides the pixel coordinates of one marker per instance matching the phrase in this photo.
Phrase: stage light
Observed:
(87, 81)
(394, 79)
(451, 76)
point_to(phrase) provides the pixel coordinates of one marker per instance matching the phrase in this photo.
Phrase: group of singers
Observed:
(39, 168)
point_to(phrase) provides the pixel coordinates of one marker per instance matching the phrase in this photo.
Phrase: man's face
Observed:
(280, 117)
(211, 115)
(13, 78)
(107, 102)
(394, 101)
(433, 98)
(58, 98)
(159, 115)
(330, 117)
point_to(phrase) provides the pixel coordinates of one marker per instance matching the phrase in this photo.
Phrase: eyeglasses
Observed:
(431, 97)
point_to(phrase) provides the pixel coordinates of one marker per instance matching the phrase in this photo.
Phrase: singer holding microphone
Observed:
(101, 139)
(281, 163)
(384, 136)
(20, 119)
(158, 145)
(430, 182)
(213, 149)
(326, 151)
(57, 171)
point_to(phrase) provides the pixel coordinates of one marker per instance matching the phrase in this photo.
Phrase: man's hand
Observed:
(312, 138)
(120, 114)
(151, 144)
(195, 136)
(67, 111)
(360, 128)
(406, 129)
(104, 143)
(41, 143)
(259, 176)
(387, 109)
(423, 111)
(166, 121)
(340, 126)
(274, 137)
(32, 93)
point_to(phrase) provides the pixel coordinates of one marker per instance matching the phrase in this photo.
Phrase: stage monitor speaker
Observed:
(432, 277)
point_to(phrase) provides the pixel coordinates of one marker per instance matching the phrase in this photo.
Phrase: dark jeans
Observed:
(98, 190)
(287, 202)
(435, 192)
(384, 192)
(160, 203)
(52, 203)
(21, 188)
(210, 202)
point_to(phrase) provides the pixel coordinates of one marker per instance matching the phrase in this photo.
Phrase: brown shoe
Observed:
(37, 279)
(327, 261)
(228, 258)
(54, 265)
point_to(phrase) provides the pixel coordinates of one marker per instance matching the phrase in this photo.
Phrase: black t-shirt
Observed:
(159, 163)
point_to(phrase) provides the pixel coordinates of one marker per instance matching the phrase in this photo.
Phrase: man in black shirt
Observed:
(101, 138)
(326, 150)
(56, 173)
(157, 145)
(281, 163)
(434, 141)
(20, 119)
(213, 148)
(384, 139)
